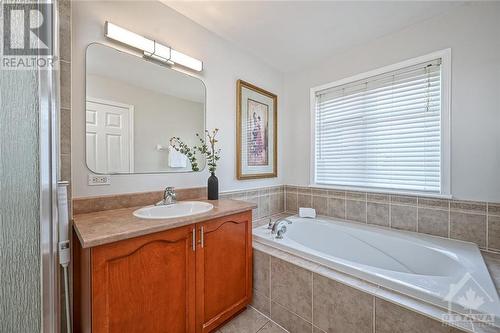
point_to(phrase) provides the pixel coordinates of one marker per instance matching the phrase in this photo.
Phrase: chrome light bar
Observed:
(151, 48)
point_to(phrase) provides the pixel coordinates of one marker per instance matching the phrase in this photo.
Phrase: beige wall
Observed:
(224, 65)
(471, 31)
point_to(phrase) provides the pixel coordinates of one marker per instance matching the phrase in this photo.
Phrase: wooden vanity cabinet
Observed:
(145, 284)
(185, 280)
(223, 270)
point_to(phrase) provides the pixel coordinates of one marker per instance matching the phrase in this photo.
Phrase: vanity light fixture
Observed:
(128, 37)
(151, 48)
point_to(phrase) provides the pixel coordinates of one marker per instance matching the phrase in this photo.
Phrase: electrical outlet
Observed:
(95, 180)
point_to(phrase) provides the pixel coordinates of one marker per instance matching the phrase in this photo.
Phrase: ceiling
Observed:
(290, 35)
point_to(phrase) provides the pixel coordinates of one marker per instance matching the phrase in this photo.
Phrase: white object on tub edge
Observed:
(307, 212)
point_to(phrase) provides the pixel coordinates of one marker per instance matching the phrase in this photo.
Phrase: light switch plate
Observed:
(96, 180)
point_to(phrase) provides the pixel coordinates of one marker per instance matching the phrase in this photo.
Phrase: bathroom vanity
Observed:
(186, 274)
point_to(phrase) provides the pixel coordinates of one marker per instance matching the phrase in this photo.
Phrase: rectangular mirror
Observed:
(133, 107)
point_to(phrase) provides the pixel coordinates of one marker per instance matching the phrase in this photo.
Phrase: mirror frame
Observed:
(163, 66)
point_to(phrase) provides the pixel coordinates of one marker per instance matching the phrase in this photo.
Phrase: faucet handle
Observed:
(170, 194)
(270, 224)
(169, 190)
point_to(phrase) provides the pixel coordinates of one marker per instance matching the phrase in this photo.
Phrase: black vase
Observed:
(213, 187)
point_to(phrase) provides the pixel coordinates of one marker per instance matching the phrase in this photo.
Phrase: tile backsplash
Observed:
(477, 222)
(126, 200)
(269, 200)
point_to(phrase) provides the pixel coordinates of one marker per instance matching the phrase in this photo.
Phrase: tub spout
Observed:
(277, 224)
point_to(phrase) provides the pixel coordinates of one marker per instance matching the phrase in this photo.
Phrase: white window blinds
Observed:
(382, 132)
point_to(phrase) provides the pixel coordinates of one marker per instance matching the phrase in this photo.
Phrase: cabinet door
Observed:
(145, 284)
(223, 269)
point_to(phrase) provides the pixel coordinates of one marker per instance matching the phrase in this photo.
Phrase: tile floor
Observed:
(251, 321)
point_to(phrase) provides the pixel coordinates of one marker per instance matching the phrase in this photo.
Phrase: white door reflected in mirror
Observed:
(110, 136)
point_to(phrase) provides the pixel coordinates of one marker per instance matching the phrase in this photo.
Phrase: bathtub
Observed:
(431, 269)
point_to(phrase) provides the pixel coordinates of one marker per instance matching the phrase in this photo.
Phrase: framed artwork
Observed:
(256, 132)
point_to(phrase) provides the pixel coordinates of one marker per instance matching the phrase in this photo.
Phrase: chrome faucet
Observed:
(275, 227)
(281, 232)
(169, 197)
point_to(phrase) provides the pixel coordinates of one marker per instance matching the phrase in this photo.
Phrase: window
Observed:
(385, 130)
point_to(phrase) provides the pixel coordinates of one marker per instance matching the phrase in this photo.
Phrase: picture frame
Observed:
(256, 132)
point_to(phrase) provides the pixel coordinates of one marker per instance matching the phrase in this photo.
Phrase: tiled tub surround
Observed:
(477, 222)
(303, 296)
(416, 265)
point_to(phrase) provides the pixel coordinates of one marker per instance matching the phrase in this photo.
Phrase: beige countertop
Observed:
(109, 226)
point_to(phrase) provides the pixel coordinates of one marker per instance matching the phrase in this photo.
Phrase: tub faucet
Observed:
(281, 232)
(276, 225)
(169, 197)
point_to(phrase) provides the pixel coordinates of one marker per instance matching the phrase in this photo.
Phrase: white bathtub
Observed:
(420, 266)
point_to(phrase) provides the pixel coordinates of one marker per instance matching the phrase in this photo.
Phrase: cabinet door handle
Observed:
(194, 239)
(202, 237)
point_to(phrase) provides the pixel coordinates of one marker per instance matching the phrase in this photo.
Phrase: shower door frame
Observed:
(48, 96)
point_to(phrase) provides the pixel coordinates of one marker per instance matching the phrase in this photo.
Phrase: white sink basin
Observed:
(179, 209)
